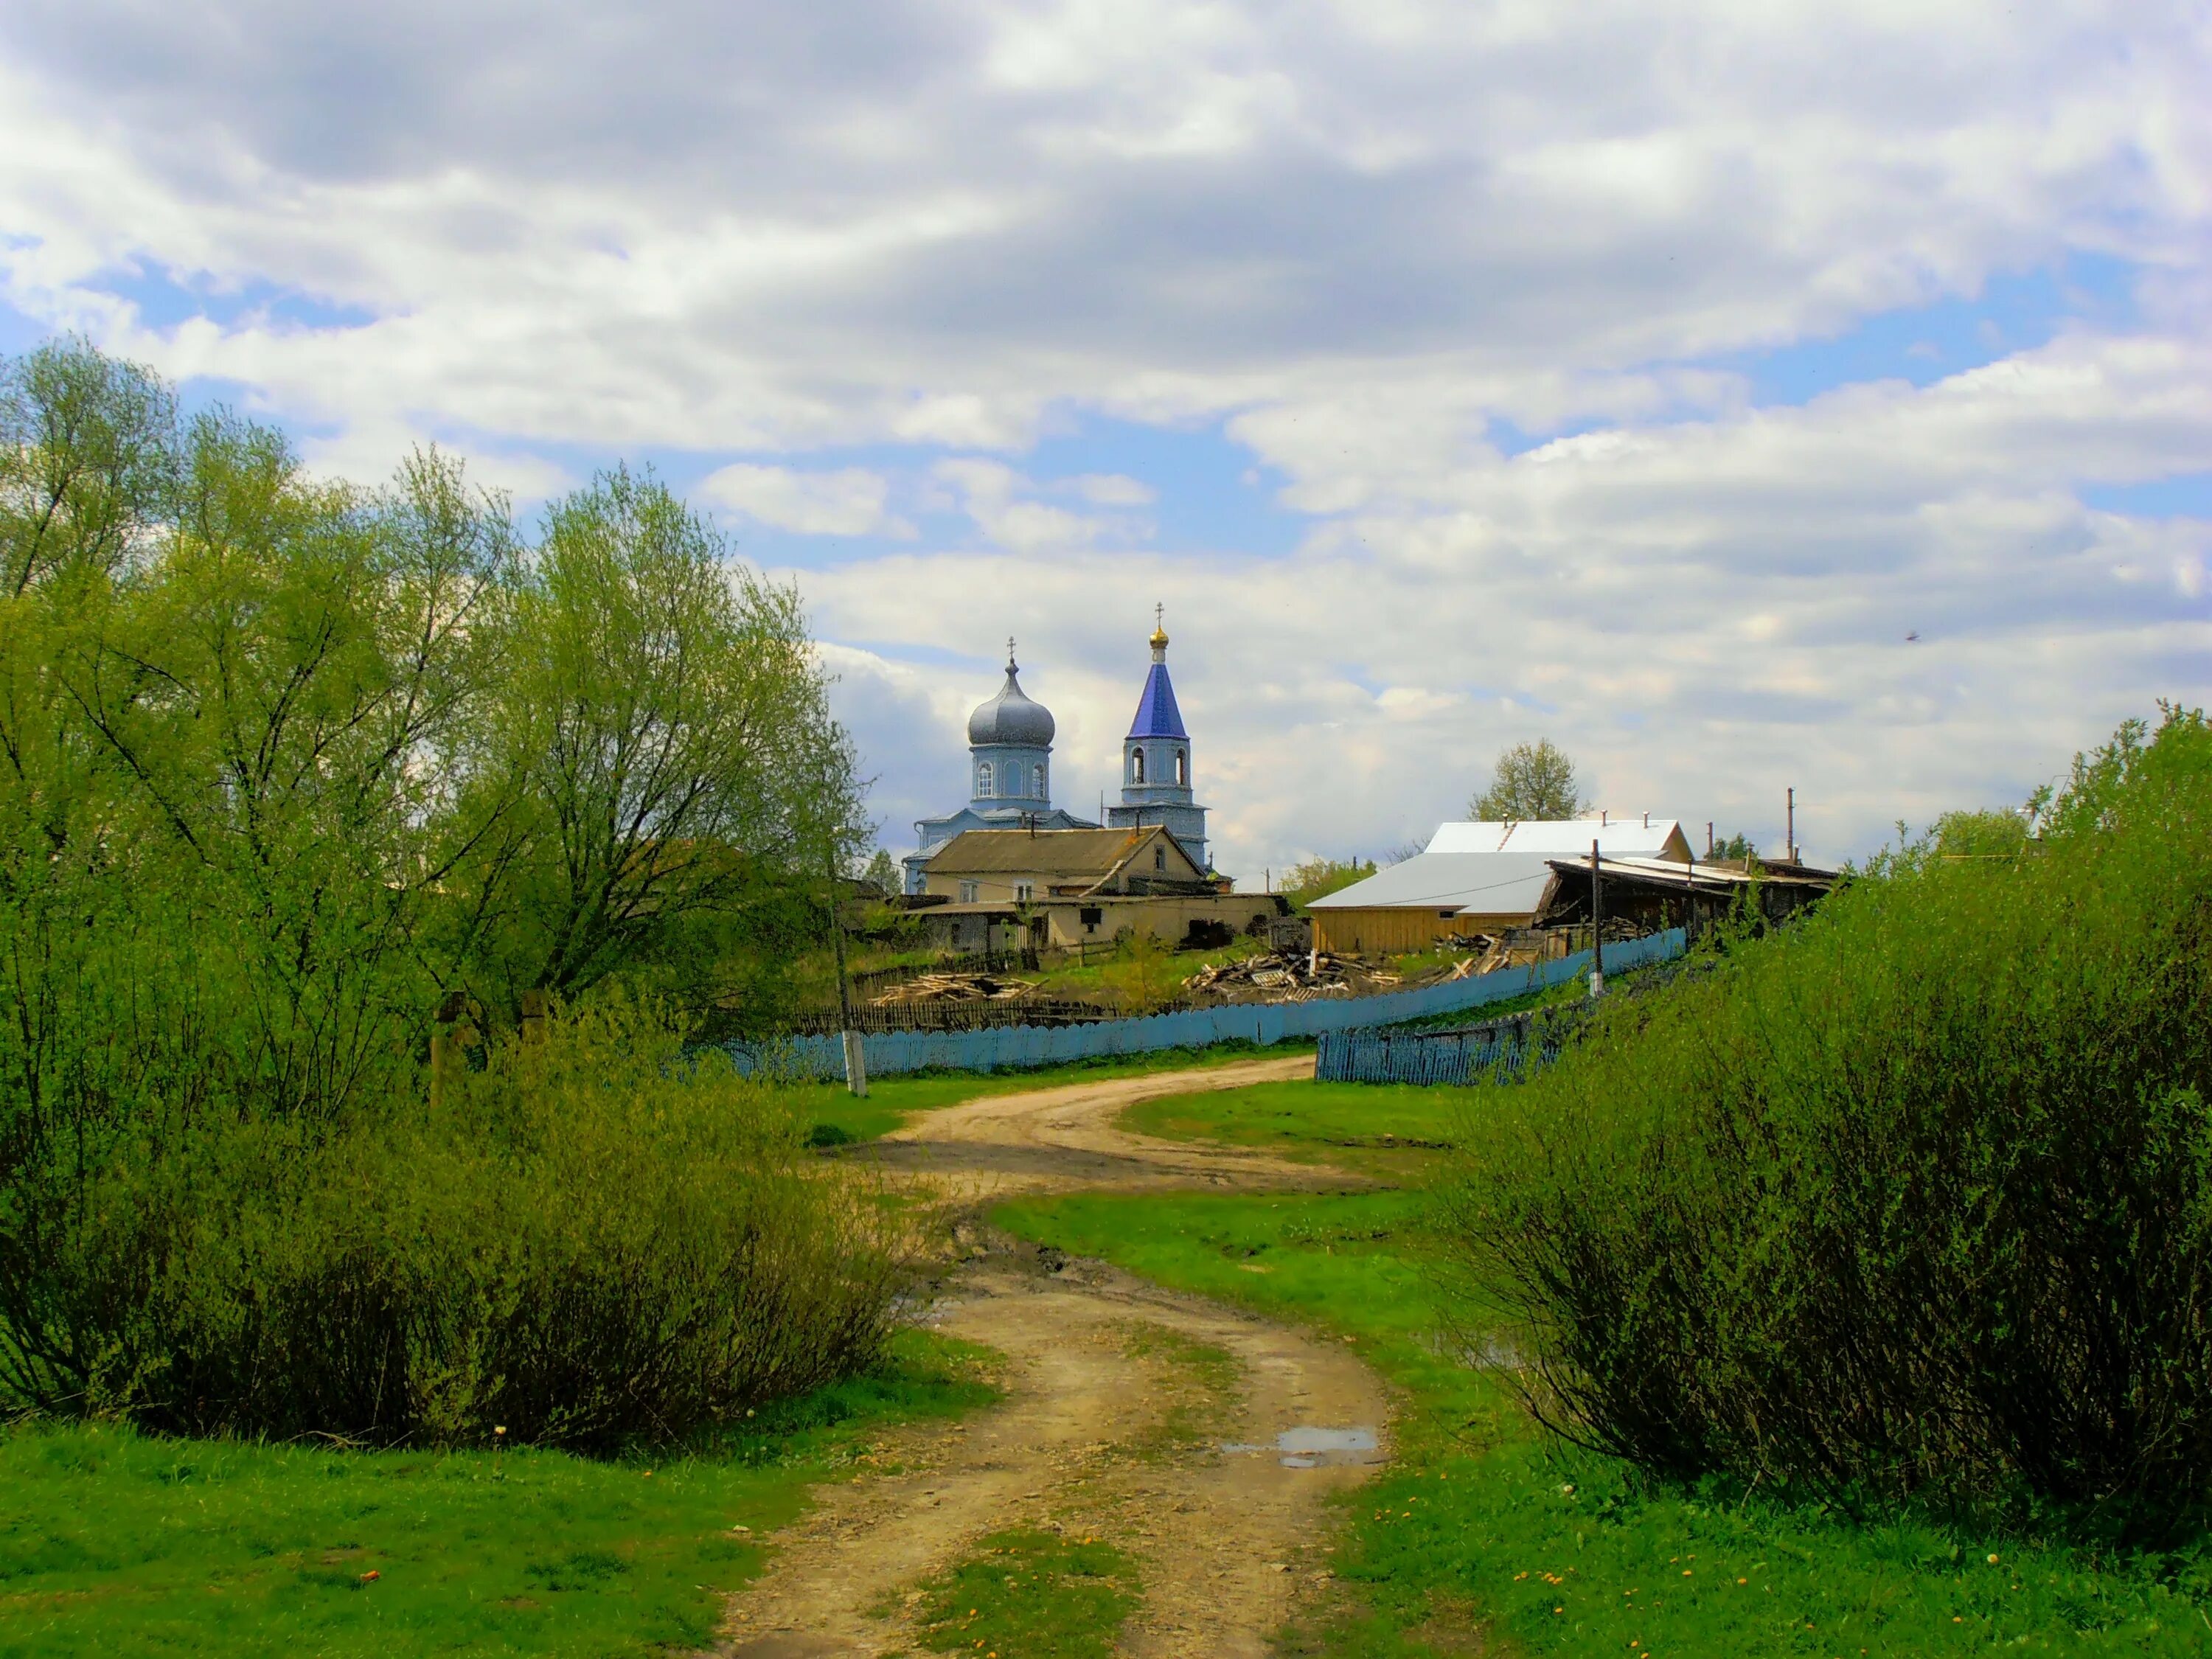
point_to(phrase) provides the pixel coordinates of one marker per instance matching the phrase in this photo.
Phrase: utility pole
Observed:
(856, 1063)
(1790, 831)
(1597, 930)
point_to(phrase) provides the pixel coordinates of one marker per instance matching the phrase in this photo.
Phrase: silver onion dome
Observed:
(1011, 717)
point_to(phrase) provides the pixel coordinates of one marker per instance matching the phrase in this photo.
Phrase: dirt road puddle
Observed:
(1317, 1448)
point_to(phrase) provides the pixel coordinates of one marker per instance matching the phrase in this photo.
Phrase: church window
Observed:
(1182, 767)
(1136, 766)
(1036, 781)
(982, 779)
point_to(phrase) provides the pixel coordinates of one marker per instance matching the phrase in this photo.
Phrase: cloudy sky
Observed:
(1743, 395)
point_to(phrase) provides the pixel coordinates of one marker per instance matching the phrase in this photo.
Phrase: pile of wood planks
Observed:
(953, 987)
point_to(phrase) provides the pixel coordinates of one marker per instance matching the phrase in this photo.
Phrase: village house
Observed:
(1062, 888)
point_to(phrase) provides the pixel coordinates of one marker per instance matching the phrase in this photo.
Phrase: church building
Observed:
(1009, 776)
(1010, 771)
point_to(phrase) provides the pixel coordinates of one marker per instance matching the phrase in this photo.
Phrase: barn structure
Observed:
(1478, 879)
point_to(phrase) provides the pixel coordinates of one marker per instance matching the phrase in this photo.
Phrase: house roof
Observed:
(1066, 854)
(1634, 837)
(1471, 884)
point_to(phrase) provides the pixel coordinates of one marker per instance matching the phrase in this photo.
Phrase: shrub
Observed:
(1914, 1196)
(597, 1242)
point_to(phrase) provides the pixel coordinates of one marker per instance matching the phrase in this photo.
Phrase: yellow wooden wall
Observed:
(1394, 932)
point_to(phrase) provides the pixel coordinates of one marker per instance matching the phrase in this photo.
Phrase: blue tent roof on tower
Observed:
(1157, 714)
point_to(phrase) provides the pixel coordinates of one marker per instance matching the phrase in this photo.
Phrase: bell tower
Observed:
(1157, 776)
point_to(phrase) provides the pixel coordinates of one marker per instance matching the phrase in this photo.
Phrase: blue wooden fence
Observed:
(1021, 1047)
(1514, 1045)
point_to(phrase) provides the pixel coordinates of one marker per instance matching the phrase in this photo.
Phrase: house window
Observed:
(1182, 767)
(982, 779)
(1036, 781)
(1090, 916)
(1025, 891)
(1136, 766)
(967, 892)
(1159, 858)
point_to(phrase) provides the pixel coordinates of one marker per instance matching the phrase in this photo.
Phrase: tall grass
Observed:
(595, 1240)
(1914, 1196)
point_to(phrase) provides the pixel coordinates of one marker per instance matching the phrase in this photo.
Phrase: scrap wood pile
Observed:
(953, 987)
(1283, 977)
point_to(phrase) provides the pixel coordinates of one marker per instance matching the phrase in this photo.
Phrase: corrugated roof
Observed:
(1558, 837)
(1480, 883)
(1061, 853)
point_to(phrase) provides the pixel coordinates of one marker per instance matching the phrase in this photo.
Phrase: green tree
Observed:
(1532, 781)
(883, 874)
(664, 726)
(1317, 878)
(1980, 835)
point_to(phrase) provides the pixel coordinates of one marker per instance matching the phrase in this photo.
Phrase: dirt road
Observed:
(1146, 1418)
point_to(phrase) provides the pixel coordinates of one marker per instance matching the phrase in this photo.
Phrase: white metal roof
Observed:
(1473, 884)
(1630, 837)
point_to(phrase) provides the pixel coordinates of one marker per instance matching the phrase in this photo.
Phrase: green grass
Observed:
(893, 1102)
(1026, 1593)
(116, 1542)
(1305, 1117)
(1477, 1522)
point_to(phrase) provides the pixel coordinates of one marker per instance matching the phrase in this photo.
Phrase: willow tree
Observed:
(663, 724)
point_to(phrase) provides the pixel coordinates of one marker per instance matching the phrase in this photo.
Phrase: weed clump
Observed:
(1912, 1197)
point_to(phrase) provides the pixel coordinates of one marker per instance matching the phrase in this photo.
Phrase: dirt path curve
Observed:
(1125, 1405)
(1064, 1138)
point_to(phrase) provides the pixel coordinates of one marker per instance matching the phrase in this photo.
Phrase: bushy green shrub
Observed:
(1913, 1196)
(594, 1241)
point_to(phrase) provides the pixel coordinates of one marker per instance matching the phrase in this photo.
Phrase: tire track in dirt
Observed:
(1095, 1435)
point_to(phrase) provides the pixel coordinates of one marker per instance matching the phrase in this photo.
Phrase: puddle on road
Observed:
(1315, 1449)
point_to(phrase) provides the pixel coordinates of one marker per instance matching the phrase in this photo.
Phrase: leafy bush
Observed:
(596, 1241)
(1914, 1196)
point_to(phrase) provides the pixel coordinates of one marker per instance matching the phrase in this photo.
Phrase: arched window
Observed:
(1182, 766)
(1136, 766)
(1036, 781)
(982, 779)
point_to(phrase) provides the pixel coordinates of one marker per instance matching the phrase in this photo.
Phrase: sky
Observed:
(1744, 396)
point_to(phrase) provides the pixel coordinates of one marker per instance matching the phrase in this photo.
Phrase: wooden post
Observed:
(856, 1067)
(1597, 929)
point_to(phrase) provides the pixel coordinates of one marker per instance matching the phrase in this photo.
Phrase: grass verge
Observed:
(112, 1541)
(1026, 1592)
(1304, 1118)
(1478, 1527)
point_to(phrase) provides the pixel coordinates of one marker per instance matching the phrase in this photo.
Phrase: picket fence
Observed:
(1022, 1046)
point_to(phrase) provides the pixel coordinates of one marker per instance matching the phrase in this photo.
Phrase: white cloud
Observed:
(846, 502)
